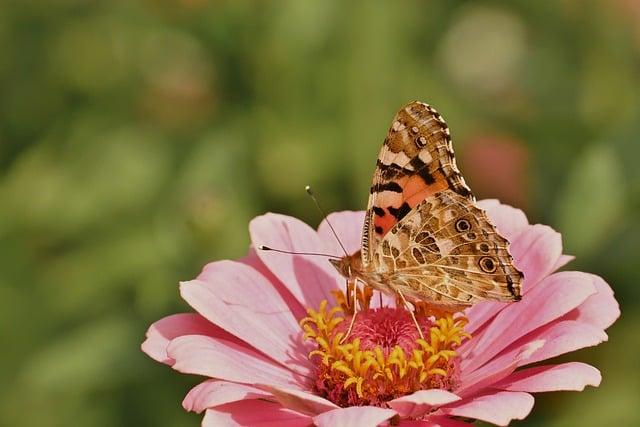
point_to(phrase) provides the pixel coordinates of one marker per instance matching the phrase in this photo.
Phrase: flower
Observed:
(269, 335)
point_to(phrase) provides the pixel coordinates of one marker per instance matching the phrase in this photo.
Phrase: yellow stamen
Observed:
(349, 373)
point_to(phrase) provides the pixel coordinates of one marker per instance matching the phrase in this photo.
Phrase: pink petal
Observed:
(536, 252)
(417, 404)
(212, 393)
(434, 421)
(348, 226)
(256, 413)
(354, 416)
(253, 260)
(562, 261)
(499, 408)
(242, 302)
(301, 401)
(599, 310)
(163, 331)
(509, 221)
(564, 337)
(215, 358)
(486, 204)
(480, 314)
(572, 376)
(496, 370)
(309, 278)
(556, 339)
(555, 296)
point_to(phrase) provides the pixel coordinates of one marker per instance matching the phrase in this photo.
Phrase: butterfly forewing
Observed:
(415, 162)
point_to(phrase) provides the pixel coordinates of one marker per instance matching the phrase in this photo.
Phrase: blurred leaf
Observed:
(55, 382)
(91, 275)
(67, 190)
(591, 203)
(476, 31)
(85, 49)
(606, 99)
(88, 358)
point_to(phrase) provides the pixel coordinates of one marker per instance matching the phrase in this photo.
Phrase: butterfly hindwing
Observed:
(446, 251)
(415, 162)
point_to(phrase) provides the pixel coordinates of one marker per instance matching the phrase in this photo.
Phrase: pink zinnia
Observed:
(267, 336)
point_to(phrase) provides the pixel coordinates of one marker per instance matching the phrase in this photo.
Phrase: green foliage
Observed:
(137, 139)
(590, 207)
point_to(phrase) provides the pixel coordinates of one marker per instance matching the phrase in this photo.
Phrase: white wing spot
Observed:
(424, 155)
(403, 160)
(397, 126)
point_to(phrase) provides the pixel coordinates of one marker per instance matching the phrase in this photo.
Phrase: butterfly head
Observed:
(348, 266)
(342, 265)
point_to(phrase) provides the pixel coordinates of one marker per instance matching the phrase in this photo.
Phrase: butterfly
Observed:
(424, 239)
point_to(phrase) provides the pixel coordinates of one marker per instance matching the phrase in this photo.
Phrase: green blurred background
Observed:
(137, 139)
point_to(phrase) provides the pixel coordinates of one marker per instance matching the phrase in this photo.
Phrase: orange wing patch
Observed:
(416, 190)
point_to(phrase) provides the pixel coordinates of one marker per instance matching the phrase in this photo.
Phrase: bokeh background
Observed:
(137, 139)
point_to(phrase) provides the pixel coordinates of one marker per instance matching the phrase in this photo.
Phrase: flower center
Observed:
(383, 357)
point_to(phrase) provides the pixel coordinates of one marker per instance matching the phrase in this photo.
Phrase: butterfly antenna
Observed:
(315, 201)
(267, 248)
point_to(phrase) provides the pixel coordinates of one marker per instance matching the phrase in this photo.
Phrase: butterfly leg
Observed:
(355, 309)
(413, 316)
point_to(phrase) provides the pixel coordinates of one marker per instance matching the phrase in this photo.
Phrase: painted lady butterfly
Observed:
(424, 239)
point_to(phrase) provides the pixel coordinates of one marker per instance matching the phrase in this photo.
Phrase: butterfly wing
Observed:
(447, 252)
(423, 235)
(415, 162)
